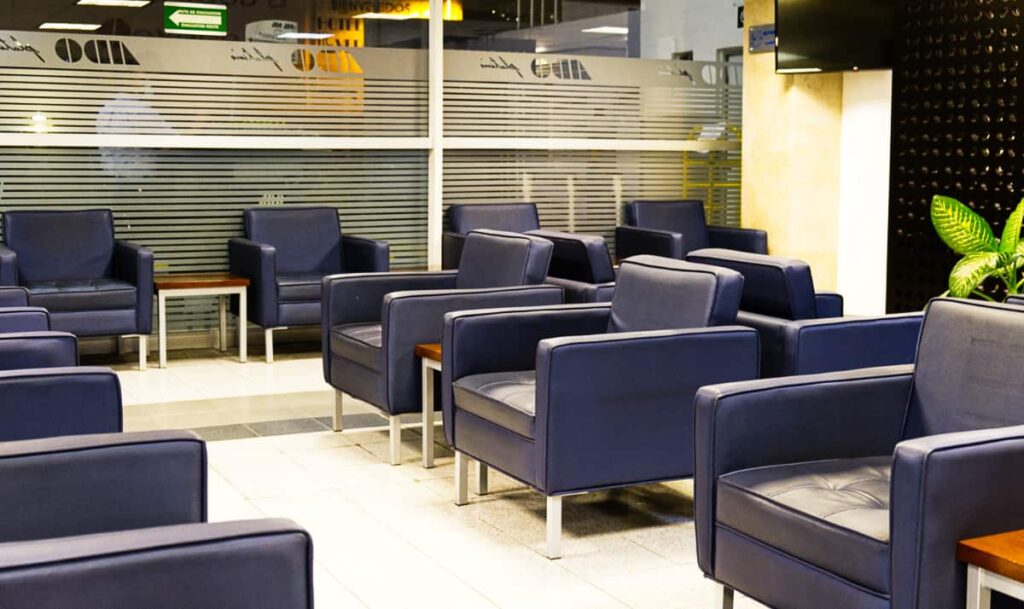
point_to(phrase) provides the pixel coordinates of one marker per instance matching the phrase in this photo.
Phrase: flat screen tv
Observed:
(834, 35)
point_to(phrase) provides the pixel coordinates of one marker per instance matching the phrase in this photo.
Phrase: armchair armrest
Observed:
(946, 488)
(741, 239)
(234, 565)
(361, 255)
(829, 304)
(8, 266)
(505, 340)
(24, 319)
(257, 262)
(611, 395)
(13, 296)
(581, 292)
(777, 421)
(51, 402)
(451, 249)
(134, 264)
(414, 317)
(38, 350)
(358, 298)
(829, 345)
(632, 241)
(79, 485)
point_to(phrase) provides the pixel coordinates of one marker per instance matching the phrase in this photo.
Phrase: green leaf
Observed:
(971, 272)
(1011, 233)
(963, 230)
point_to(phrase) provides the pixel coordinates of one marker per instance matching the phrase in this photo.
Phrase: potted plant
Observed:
(984, 256)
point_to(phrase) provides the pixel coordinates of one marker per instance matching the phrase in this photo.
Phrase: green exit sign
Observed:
(195, 19)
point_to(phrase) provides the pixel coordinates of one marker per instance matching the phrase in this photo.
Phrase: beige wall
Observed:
(791, 152)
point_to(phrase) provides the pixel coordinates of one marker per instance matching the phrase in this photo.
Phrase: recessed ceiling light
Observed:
(607, 29)
(304, 36)
(798, 71)
(78, 27)
(391, 16)
(121, 3)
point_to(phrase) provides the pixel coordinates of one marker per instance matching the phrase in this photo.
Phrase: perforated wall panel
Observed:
(956, 131)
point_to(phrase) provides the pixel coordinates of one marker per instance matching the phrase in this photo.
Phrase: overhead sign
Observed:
(195, 19)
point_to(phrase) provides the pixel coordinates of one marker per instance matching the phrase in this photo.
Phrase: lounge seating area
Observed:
(804, 440)
(495, 304)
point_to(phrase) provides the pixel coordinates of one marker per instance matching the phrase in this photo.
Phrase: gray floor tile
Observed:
(225, 432)
(281, 428)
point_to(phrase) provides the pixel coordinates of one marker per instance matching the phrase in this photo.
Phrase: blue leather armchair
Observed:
(373, 322)
(24, 350)
(580, 265)
(464, 219)
(50, 402)
(91, 284)
(1015, 300)
(804, 332)
(850, 490)
(118, 521)
(673, 229)
(286, 253)
(578, 398)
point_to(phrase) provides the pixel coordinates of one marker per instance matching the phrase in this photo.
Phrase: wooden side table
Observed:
(221, 285)
(995, 562)
(430, 356)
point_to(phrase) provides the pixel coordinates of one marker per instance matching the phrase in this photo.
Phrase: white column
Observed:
(435, 118)
(864, 191)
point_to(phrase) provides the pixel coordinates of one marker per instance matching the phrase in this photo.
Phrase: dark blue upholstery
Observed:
(851, 489)
(24, 319)
(673, 229)
(580, 265)
(373, 322)
(115, 521)
(464, 219)
(559, 399)
(72, 266)
(13, 297)
(50, 402)
(803, 332)
(287, 252)
(22, 350)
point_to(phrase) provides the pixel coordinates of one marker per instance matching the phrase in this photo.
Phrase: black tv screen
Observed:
(834, 35)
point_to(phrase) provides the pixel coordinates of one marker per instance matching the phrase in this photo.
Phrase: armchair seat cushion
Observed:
(101, 294)
(360, 343)
(299, 287)
(831, 514)
(507, 399)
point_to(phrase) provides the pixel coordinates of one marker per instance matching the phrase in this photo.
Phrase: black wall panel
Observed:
(956, 131)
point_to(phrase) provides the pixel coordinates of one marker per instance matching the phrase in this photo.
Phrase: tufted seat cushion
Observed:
(507, 399)
(360, 343)
(299, 287)
(102, 294)
(834, 514)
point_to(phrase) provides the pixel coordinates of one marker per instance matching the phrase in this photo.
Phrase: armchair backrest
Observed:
(968, 372)
(510, 217)
(307, 239)
(684, 217)
(654, 293)
(579, 257)
(494, 259)
(56, 245)
(774, 286)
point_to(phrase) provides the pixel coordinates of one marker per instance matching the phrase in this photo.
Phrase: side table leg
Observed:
(427, 400)
(161, 305)
(222, 338)
(978, 596)
(243, 327)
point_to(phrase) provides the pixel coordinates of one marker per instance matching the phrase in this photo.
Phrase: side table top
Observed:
(1002, 554)
(431, 351)
(191, 281)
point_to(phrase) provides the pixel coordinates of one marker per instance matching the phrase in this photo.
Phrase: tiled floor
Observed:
(390, 537)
